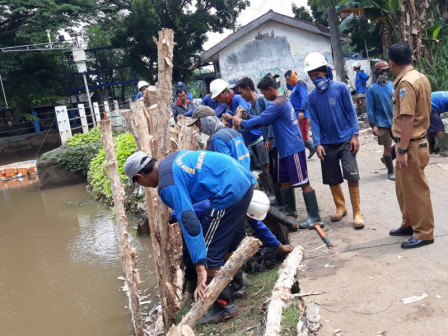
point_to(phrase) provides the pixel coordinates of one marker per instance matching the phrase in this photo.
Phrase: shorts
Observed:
(293, 169)
(304, 126)
(331, 168)
(224, 230)
(384, 136)
(260, 153)
(361, 95)
(435, 123)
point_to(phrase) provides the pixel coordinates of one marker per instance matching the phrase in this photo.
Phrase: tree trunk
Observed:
(336, 44)
(281, 295)
(127, 253)
(248, 247)
(415, 20)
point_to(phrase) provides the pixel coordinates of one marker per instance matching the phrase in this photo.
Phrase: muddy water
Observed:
(59, 265)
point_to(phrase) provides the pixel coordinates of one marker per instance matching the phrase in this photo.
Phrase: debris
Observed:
(337, 332)
(413, 299)
(370, 278)
(399, 257)
(327, 266)
(308, 294)
(438, 296)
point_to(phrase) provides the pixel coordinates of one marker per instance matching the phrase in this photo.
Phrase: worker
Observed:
(258, 104)
(292, 168)
(181, 85)
(412, 110)
(335, 134)
(187, 177)
(380, 113)
(141, 86)
(299, 100)
(182, 105)
(361, 79)
(436, 130)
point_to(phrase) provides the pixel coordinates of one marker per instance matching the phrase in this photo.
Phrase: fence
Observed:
(68, 119)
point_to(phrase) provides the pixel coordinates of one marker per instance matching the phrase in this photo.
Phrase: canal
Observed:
(60, 267)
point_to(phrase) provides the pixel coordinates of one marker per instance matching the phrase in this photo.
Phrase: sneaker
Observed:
(218, 313)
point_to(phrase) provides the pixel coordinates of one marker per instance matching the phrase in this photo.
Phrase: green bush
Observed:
(94, 135)
(75, 159)
(99, 183)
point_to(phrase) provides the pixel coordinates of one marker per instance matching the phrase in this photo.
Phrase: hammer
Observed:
(322, 234)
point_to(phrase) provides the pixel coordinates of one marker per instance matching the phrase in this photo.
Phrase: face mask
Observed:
(210, 124)
(321, 83)
(381, 77)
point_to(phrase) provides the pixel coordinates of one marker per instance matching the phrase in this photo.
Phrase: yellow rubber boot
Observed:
(358, 222)
(339, 201)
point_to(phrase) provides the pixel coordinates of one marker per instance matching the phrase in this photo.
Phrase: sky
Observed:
(255, 10)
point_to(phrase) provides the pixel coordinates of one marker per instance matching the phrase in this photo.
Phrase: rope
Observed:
(48, 131)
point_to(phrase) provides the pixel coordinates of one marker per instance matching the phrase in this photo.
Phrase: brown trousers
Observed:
(413, 193)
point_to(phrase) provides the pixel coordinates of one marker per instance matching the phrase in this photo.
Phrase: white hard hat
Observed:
(314, 61)
(142, 84)
(259, 205)
(356, 64)
(217, 86)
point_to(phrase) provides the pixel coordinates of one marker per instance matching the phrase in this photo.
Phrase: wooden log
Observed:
(248, 247)
(239, 114)
(277, 216)
(127, 253)
(150, 97)
(281, 294)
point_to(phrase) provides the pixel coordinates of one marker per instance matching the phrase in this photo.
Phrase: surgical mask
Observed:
(210, 124)
(321, 83)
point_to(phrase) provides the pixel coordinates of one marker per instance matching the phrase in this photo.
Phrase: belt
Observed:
(397, 140)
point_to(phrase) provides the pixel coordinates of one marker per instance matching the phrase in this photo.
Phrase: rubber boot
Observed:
(310, 146)
(278, 196)
(443, 145)
(222, 308)
(393, 153)
(339, 201)
(358, 222)
(289, 201)
(390, 167)
(266, 181)
(236, 286)
(312, 209)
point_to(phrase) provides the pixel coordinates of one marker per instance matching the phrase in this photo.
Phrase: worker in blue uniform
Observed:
(187, 177)
(292, 169)
(335, 134)
(436, 130)
(361, 79)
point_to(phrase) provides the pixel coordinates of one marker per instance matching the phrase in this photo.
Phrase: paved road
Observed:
(368, 273)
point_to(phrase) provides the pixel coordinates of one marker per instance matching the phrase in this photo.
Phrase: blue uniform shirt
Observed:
(439, 101)
(285, 126)
(380, 108)
(333, 117)
(299, 98)
(230, 142)
(216, 106)
(188, 177)
(360, 81)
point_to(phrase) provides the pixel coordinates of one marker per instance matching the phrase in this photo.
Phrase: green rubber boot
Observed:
(312, 209)
(289, 201)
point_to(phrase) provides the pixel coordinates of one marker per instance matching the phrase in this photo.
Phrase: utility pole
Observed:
(4, 95)
(79, 56)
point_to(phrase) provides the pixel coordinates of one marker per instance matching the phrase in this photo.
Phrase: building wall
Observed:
(272, 47)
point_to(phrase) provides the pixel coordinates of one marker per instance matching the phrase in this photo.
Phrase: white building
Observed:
(272, 43)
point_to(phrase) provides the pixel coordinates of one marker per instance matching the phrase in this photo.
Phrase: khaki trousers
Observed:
(413, 193)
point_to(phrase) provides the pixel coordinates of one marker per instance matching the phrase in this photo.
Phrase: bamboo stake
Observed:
(281, 294)
(248, 247)
(127, 254)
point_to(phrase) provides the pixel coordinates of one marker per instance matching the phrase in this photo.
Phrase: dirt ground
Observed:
(367, 274)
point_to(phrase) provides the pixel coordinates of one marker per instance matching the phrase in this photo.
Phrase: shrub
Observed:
(75, 159)
(94, 135)
(99, 183)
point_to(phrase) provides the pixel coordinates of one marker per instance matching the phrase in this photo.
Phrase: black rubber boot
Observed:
(390, 167)
(221, 310)
(289, 201)
(312, 209)
(278, 196)
(266, 181)
(236, 286)
(310, 146)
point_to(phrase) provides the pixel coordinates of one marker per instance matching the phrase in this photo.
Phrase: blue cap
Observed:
(180, 84)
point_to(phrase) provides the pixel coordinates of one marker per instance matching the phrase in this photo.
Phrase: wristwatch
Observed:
(402, 150)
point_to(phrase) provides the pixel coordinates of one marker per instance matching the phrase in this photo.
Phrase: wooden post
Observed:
(248, 247)
(127, 254)
(281, 294)
(96, 113)
(63, 123)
